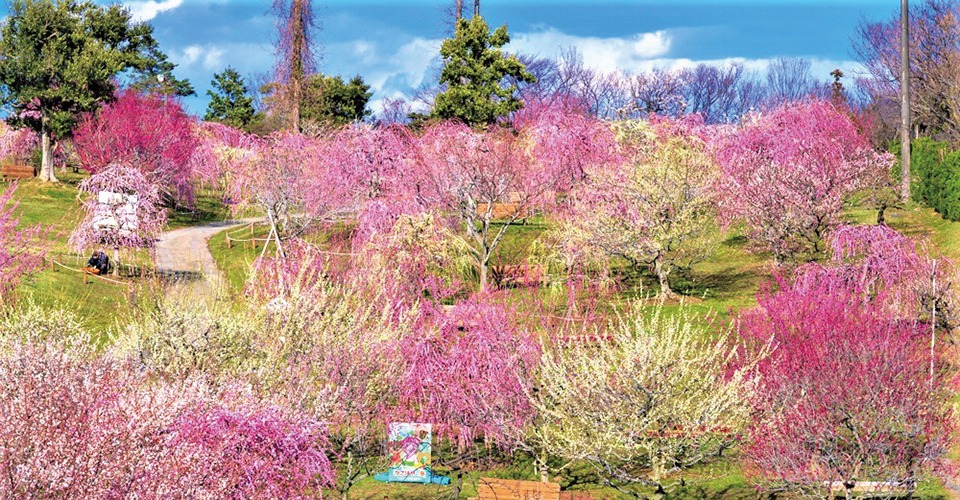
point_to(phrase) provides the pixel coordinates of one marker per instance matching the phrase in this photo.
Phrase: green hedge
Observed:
(935, 175)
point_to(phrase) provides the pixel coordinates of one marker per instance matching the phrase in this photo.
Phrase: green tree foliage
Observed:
(62, 57)
(936, 179)
(474, 73)
(158, 78)
(230, 104)
(330, 100)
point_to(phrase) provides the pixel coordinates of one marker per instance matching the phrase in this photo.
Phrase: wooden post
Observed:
(84, 273)
(904, 100)
(229, 245)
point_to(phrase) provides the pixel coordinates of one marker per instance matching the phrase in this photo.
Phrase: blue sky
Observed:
(392, 44)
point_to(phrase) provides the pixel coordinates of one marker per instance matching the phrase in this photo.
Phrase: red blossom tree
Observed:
(787, 173)
(148, 132)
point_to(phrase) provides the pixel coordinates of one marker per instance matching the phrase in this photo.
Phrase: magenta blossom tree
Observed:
(20, 253)
(123, 210)
(151, 133)
(470, 372)
(845, 395)
(787, 172)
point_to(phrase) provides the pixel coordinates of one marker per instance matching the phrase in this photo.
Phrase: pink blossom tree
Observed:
(787, 172)
(151, 133)
(363, 172)
(470, 373)
(83, 424)
(489, 180)
(16, 144)
(845, 394)
(20, 253)
(123, 210)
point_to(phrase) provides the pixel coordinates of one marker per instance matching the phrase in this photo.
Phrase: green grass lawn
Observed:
(99, 303)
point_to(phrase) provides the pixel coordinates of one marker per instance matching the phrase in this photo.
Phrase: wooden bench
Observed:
(17, 172)
(507, 489)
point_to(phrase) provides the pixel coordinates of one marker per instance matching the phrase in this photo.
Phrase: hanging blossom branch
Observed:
(124, 211)
(19, 253)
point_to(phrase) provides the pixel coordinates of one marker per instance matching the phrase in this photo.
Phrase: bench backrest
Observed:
(508, 489)
(17, 171)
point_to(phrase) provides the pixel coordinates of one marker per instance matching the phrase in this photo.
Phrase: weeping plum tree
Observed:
(470, 373)
(363, 171)
(656, 207)
(787, 172)
(150, 133)
(123, 210)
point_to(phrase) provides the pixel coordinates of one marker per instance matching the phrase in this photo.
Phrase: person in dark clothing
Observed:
(99, 263)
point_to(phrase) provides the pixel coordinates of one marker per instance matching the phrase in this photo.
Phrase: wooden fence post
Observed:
(229, 245)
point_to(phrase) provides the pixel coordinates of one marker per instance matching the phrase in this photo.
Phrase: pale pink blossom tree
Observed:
(123, 210)
(489, 180)
(78, 423)
(654, 208)
(787, 172)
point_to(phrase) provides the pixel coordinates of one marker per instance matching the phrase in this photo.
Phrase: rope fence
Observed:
(85, 273)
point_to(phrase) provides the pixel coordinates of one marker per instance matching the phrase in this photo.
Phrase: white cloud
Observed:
(145, 10)
(204, 57)
(604, 54)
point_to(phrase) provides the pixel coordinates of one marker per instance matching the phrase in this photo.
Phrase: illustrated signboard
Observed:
(408, 448)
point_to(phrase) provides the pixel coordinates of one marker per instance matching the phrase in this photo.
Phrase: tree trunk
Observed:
(476, 8)
(665, 290)
(46, 143)
(459, 11)
(116, 261)
(544, 471)
(484, 271)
